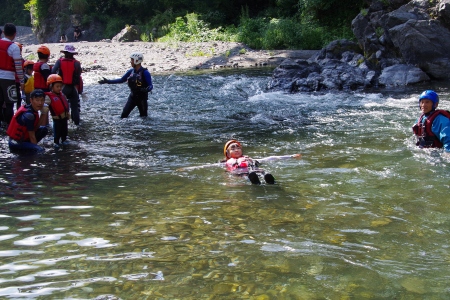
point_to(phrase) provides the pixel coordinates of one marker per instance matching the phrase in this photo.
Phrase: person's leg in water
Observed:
(254, 178)
(143, 107)
(28, 147)
(74, 100)
(269, 178)
(129, 106)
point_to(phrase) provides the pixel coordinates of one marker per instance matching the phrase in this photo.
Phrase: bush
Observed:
(113, 27)
(192, 29)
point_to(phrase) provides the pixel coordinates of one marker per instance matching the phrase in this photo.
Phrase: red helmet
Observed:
(53, 78)
(44, 50)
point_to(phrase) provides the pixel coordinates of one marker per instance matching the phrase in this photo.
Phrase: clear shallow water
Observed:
(364, 214)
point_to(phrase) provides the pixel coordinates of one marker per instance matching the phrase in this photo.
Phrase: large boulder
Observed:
(408, 34)
(339, 66)
(400, 42)
(401, 75)
(128, 34)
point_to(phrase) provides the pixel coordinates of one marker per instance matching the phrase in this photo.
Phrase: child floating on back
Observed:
(240, 164)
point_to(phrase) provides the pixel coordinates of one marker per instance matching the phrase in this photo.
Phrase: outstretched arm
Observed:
(269, 158)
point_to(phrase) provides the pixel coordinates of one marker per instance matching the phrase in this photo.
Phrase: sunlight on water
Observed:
(363, 215)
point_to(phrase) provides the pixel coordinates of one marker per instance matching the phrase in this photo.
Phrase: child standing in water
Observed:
(238, 163)
(59, 108)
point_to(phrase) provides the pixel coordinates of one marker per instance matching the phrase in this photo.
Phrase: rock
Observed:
(128, 34)
(399, 43)
(402, 75)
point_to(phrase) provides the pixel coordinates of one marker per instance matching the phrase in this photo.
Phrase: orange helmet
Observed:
(53, 78)
(227, 144)
(27, 63)
(44, 50)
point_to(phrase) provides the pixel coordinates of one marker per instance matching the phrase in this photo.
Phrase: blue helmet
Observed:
(430, 95)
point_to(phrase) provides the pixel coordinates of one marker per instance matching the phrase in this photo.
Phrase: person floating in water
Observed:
(140, 83)
(432, 128)
(238, 163)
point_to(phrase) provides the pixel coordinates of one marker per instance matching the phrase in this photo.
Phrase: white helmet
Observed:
(137, 57)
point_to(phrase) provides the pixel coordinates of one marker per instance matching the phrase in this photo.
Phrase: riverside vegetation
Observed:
(274, 24)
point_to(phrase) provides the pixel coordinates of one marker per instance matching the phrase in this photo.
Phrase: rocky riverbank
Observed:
(112, 58)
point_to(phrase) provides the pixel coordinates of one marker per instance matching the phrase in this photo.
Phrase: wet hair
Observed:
(9, 29)
(41, 55)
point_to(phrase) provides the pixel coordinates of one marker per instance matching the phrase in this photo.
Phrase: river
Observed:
(363, 215)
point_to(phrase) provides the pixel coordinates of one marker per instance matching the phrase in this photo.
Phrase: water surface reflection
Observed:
(364, 209)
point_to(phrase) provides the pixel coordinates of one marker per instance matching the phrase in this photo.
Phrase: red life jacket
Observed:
(6, 61)
(59, 104)
(39, 80)
(67, 69)
(237, 163)
(422, 130)
(20, 132)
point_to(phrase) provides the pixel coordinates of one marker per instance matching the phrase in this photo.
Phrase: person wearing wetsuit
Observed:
(240, 164)
(70, 70)
(432, 129)
(140, 83)
(27, 128)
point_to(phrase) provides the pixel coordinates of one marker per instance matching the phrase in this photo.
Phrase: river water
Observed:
(363, 214)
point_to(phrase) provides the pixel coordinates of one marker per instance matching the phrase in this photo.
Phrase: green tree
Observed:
(13, 11)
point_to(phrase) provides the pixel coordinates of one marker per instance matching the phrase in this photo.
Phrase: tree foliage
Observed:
(268, 24)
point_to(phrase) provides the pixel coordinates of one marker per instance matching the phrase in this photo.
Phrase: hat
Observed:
(37, 93)
(69, 48)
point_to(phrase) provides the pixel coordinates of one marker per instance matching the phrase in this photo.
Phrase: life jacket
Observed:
(6, 61)
(136, 81)
(422, 130)
(67, 69)
(29, 84)
(20, 132)
(237, 163)
(59, 107)
(39, 80)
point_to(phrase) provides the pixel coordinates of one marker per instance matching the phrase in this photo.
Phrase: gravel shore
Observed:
(112, 58)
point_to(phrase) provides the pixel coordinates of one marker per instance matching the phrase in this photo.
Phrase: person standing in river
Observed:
(10, 69)
(140, 83)
(70, 70)
(432, 129)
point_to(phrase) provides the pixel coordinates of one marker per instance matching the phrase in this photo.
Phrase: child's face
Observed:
(426, 105)
(234, 150)
(57, 87)
(29, 71)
